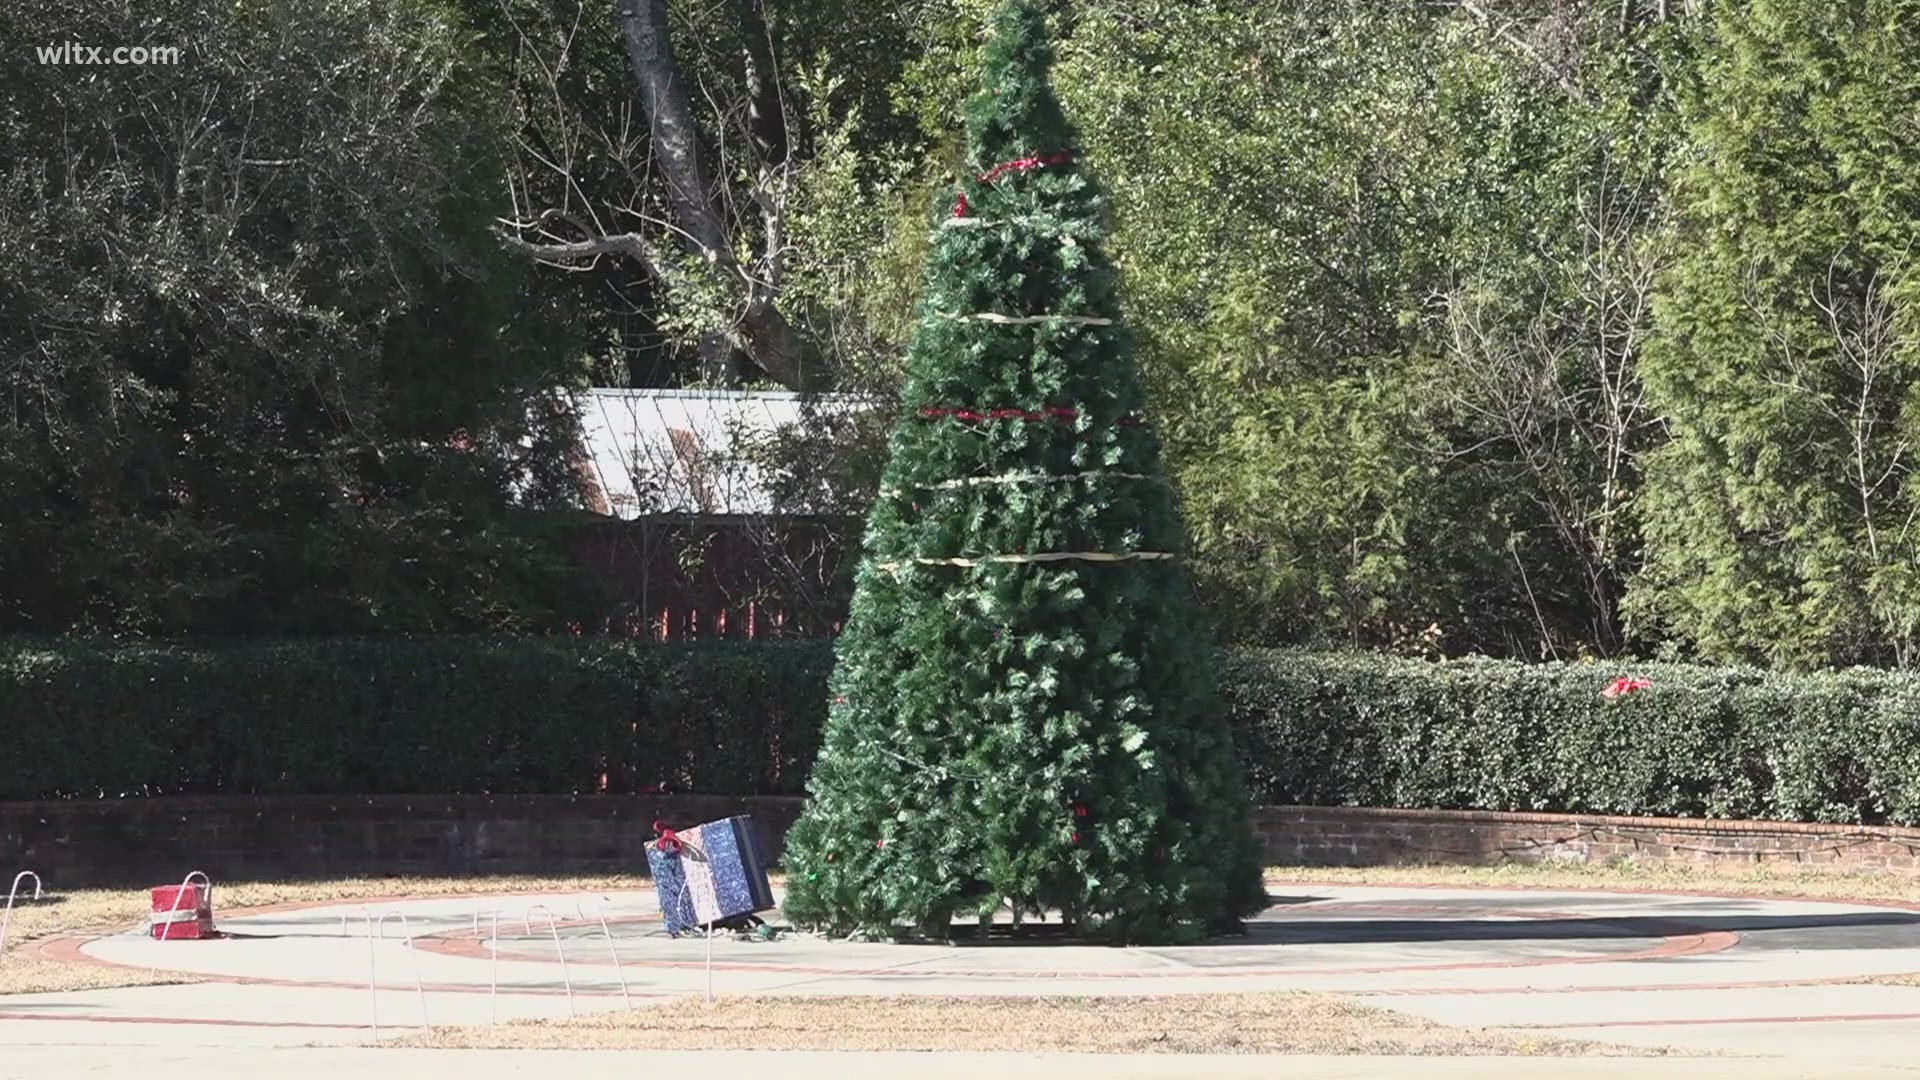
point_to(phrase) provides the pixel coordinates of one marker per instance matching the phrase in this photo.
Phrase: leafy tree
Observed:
(1023, 708)
(1554, 193)
(665, 151)
(1780, 517)
(1401, 366)
(268, 371)
(1281, 230)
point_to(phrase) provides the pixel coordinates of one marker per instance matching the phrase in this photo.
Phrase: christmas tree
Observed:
(1023, 708)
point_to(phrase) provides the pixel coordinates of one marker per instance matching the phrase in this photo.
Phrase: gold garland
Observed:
(1014, 478)
(1039, 557)
(1031, 320)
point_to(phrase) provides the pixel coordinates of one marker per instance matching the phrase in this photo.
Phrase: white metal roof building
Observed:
(677, 451)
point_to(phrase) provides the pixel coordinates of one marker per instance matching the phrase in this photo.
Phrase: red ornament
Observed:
(1079, 811)
(880, 843)
(840, 699)
(1076, 838)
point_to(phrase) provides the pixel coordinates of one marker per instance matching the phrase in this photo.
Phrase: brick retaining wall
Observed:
(134, 841)
(142, 841)
(1361, 836)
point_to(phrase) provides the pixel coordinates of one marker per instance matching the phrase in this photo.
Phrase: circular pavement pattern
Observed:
(1655, 968)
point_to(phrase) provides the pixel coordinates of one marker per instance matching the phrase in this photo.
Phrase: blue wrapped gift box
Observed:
(710, 873)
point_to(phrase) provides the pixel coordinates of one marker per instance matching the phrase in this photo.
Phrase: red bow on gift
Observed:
(669, 841)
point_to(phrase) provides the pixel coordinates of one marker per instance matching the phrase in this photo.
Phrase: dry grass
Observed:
(26, 973)
(88, 911)
(1272, 1023)
(1767, 879)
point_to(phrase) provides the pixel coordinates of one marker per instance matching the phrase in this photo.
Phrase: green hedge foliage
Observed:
(1350, 730)
(397, 715)
(439, 715)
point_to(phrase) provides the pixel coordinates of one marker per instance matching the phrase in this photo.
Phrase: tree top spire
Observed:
(1015, 113)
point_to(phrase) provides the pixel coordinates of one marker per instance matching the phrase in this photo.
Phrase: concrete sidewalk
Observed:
(59, 1063)
(1780, 980)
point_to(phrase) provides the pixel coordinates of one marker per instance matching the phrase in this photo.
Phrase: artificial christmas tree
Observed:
(1023, 710)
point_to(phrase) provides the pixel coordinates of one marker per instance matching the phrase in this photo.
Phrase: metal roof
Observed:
(679, 451)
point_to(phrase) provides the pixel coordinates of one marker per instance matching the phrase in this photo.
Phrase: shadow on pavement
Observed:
(1353, 931)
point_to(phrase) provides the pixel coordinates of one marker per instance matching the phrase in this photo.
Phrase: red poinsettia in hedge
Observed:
(1625, 684)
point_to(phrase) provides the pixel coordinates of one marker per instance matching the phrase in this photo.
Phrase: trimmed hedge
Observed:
(454, 715)
(1347, 730)
(399, 715)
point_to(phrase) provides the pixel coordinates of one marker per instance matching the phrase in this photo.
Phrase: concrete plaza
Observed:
(302, 990)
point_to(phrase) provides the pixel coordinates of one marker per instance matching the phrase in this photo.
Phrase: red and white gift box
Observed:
(182, 913)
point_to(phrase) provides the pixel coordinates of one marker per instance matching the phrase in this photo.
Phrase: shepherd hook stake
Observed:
(15, 891)
(600, 911)
(180, 894)
(553, 927)
(372, 991)
(406, 930)
(493, 974)
(373, 979)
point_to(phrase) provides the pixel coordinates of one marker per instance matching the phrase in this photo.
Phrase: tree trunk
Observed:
(676, 138)
(763, 334)
(676, 145)
(766, 112)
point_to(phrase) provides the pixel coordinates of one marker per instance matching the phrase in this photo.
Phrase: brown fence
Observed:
(703, 577)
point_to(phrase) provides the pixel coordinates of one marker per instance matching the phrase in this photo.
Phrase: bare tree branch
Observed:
(567, 254)
(709, 218)
(1504, 32)
(1558, 389)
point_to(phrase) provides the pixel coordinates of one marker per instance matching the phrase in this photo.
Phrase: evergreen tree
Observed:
(1780, 518)
(1023, 709)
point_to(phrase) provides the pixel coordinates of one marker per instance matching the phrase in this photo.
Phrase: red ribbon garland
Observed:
(1060, 157)
(669, 842)
(960, 208)
(1051, 412)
